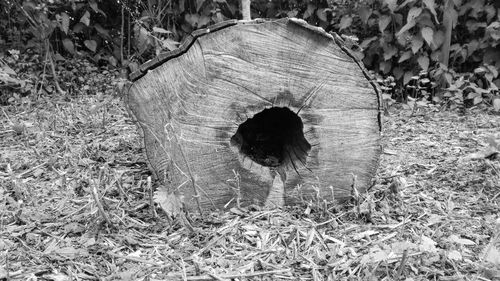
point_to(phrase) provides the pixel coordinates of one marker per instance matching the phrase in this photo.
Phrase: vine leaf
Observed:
(427, 34)
(410, 21)
(345, 22)
(383, 22)
(364, 13)
(406, 55)
(63, 19)
(90, 44)
(416, 44)
(68, 45)
(423, 61)
(430, 4)
(85, 19)
(392, 5)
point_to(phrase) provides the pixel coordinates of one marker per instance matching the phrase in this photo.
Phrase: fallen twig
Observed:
(99, 205)
(136, 259)
(234, 276)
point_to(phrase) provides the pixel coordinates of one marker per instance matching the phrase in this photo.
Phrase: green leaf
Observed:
(345, 22)
(203, 21)
(437, 39)
(161, 30)
(423, 61)
(64, 22)
(477, 100)
(494, 30)
(410, 20)
(425, 19)
(112, 60)
(78, 27)
(491, 56)
(430, 4)
(93, 5)
(472, 46)
(490, 12)
(389, 51)
(405, 56)
(391, 4)
(405, 39)
(364, 13)
(90, 44)
(68, 45)
(496, 107)
(85, 19)
(398, 72)
(473, 25)
(477, 7)
(406, 27)
(416, 44)
(192, 19)
(321, 14)
(383, 22)
(367, 42)
(5, 69)
(406, 2)
(310, 11)
(385, 66)
(427, 34)
(142, 38)
(292, 13)
(436, 55)
(407, 77)
(102, 31)
(170, 44)
(413, 13)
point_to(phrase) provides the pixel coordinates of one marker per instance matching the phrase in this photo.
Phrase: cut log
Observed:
(262, 112)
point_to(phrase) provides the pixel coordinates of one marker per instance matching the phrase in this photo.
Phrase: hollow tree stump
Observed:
(261, 112)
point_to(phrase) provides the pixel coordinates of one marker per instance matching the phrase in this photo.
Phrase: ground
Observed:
(431, 214)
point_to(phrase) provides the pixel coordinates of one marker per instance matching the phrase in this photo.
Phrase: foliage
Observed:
(400, 39)
(473, 89)
(161, 25)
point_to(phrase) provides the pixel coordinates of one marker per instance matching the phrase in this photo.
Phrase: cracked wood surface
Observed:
(192, 104)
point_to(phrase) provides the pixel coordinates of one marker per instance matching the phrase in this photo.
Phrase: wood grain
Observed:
(194, 102)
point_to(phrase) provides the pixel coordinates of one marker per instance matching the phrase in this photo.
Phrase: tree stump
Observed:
(258, 112)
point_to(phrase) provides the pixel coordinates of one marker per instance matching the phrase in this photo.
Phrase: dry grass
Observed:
(429, 217)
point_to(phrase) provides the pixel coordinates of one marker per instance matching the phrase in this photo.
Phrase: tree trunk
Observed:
(265, 112)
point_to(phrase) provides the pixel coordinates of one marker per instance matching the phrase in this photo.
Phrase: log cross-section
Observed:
(262, 112)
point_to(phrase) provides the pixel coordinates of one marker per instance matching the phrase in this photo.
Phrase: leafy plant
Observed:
(471, 90)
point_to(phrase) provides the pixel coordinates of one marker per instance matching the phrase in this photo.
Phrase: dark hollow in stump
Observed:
(259, 112)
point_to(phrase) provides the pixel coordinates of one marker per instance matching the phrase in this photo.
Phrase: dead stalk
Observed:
(355, 193)
(95, 194)
(402, 265)
(151, 199)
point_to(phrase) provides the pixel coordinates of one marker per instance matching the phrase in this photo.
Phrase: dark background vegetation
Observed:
(436, 51)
